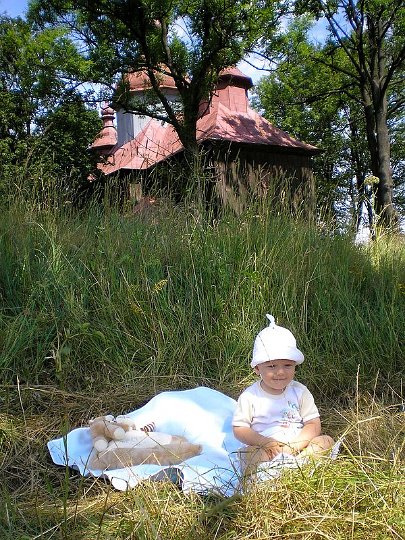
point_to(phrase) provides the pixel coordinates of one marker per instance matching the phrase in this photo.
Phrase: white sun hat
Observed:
(275, 343)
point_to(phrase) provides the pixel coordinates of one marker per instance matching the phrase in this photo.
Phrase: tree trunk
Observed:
(384, 206)
(369, 50)
(190, 181)
(376, 27)
(379, 147)
(370, 128)
(378, 141)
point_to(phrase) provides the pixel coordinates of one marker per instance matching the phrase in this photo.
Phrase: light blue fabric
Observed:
(202, 415)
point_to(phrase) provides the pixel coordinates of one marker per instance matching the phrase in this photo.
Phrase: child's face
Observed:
(276, 375)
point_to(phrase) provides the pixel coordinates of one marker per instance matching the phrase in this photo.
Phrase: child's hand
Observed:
(273, 448)
(287, 449)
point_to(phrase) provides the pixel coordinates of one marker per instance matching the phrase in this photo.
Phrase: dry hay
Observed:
(360, 495)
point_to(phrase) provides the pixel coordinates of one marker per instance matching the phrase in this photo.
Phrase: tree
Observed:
(369, 33)
(64, 136)
(39, 73)
(188, 40)
(305, 98)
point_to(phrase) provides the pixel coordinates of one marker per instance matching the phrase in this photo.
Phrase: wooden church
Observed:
(244, 154)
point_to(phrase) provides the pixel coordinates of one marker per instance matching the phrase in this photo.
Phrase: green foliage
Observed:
(365, 44)
(303, 97)
(45, 129)
(37, 69)
(314, 94)
(65, 136)
(189, 41)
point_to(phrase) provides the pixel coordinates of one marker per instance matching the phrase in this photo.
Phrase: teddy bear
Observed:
(118, 442)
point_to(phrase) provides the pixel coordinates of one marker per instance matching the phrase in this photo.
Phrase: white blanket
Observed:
(202, 415)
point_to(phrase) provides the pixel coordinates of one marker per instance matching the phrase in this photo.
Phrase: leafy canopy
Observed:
(189, 40)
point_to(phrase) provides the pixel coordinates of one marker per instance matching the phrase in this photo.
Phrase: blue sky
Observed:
(13, 7)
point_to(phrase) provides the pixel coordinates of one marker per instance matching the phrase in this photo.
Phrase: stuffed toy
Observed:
(120, 443)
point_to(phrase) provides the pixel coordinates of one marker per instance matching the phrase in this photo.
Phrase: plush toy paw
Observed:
(103, 429)
(129, 424)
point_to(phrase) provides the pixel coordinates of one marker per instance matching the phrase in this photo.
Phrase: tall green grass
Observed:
(108, 297)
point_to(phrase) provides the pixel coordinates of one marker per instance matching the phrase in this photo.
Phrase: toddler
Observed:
(277, 414)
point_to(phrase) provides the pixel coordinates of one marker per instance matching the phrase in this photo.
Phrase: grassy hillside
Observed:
(110, 297)
(102, 310)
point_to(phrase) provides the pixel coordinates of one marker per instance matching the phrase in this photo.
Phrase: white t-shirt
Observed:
(280, 416)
